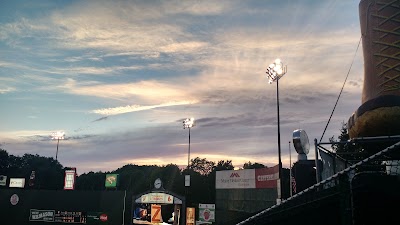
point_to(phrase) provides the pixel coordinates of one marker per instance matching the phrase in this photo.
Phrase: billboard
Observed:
(69, 181)
(267, 177)
(41, 215)
(247, 178)
(160, 198)
(235, 179)
(17, 182)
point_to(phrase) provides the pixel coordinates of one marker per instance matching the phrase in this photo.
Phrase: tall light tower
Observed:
(188, 123)
(59, 135)
(275, 71)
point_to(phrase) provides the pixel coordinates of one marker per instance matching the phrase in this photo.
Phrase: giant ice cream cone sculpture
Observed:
(379, 114)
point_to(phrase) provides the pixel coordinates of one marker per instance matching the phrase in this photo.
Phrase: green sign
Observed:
(111, 180)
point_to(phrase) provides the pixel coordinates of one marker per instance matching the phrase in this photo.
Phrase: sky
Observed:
(119, 78)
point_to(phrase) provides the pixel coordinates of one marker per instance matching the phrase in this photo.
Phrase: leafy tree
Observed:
(171, 175)
(49, 173)
(224, 165)
(91, 181)
(202, 166)
(4, 158)
(344, 148)
(250, 165)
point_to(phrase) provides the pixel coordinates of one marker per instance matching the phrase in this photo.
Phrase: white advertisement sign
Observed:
(207, 212)
(17, 182)
(69, 180)
(235, 179)
(157, 198)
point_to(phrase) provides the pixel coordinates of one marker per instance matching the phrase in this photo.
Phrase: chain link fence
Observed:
(365, 192)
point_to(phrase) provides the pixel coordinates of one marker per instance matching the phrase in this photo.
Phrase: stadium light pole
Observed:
(275, 71)
(58, 135)
(188, 123)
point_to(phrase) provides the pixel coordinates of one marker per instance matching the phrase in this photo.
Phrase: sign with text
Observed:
(267, 177)
(69, 181)
(156, 213)
(157, 198)
(100, 218)
(247, 178)
(17, 182)
(207, 212)
(235, 179)
(62, 216)
(41, 215)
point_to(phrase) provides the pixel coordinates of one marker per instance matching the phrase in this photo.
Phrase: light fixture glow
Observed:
(188, 123)
(275, 71)
(58, 135)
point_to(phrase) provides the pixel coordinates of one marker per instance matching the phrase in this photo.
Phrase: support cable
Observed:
(337, 100)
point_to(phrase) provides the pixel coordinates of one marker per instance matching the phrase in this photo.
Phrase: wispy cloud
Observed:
(136, 108)
(154, 91)
(6, 90)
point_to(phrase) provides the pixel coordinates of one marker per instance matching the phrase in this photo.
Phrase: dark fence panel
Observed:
(115, 204)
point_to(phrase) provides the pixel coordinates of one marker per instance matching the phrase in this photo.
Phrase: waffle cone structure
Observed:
(379, 113)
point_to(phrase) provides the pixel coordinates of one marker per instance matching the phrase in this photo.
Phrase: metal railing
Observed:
(385, 162)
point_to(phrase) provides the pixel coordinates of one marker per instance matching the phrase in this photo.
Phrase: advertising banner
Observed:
(99, 218)
(17, 182)
(190, 216)
(69, 181)
(157, 198)
(267, 177)
(156, 213)
(207, 212)
(111, 180)
(235, 179)
(41, 215)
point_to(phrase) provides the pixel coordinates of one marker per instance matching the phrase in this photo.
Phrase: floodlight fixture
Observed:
(58, 135)
(276, 70)
(188, 123)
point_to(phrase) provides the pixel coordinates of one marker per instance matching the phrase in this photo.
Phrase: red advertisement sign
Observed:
(267, 177)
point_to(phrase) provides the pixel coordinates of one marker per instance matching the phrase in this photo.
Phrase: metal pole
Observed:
(58, 141)
(189, 151)
(316, 161)
(290, 171)
(279, 137)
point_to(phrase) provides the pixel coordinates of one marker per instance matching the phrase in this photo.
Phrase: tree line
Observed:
(49, 175)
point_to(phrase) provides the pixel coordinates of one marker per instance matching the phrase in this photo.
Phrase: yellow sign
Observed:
(190, 216)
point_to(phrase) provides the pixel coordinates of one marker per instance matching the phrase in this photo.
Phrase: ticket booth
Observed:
(157, 206)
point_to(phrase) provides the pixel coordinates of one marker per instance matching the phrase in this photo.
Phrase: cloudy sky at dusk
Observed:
(119, 77)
